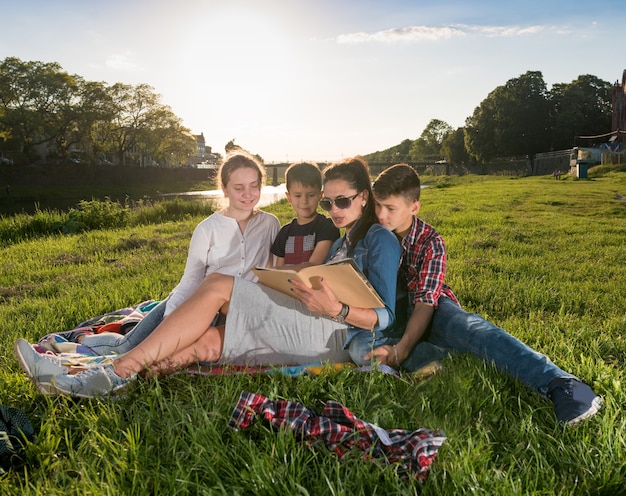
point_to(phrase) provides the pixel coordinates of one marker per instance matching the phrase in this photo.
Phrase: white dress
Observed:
(218, 245)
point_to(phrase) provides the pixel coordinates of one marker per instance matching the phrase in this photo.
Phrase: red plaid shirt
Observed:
(341, 431)
(423, 265)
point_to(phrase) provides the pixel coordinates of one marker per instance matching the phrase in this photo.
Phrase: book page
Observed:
(343, 277)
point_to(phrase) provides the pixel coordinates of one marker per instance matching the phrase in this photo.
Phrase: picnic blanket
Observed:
(120, 321)
(65, 347)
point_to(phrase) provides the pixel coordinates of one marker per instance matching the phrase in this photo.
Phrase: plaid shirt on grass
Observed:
(340, 431)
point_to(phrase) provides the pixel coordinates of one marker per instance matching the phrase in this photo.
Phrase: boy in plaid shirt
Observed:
(435, 326)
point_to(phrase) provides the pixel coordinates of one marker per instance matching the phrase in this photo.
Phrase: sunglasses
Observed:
(341, 202)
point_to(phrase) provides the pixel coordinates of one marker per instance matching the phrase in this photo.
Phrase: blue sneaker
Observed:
(96, 381)
(39, 368)
(573, 400)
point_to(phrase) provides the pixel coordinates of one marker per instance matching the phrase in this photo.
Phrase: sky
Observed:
(319, 80)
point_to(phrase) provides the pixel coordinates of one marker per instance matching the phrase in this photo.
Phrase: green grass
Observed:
(543, 259)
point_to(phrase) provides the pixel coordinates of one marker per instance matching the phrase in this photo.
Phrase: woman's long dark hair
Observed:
(356, 172)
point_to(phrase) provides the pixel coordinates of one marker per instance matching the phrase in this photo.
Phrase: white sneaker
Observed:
(96, 381)
(39, 368)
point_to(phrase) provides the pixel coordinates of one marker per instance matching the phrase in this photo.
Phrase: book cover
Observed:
(343, 277)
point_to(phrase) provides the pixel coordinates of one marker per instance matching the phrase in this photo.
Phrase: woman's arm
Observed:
(381, 268)
(323, 301)
(379, 259)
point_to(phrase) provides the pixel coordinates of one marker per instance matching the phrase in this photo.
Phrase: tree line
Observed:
(520, 118)
(48, 114)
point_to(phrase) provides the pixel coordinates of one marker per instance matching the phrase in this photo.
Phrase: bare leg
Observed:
(180, 329)
(207, 349)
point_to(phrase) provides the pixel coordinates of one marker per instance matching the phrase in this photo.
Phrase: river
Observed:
(269, 195)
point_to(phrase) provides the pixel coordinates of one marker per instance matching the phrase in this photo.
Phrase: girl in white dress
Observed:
(232, 241)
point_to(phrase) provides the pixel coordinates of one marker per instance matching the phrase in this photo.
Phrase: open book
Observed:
(343, 277)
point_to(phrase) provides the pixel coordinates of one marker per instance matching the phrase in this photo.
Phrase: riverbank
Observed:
(60, 187)
(26, 189)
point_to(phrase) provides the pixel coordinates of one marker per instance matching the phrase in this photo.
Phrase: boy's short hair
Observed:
(398, 180)
(305, 173)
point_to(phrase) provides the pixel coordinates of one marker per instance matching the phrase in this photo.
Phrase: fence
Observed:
(614, 158)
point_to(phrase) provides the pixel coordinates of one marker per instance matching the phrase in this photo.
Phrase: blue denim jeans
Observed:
(453, 331)
(109, 343)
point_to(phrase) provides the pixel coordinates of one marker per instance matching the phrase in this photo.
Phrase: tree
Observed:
(580, 108)
(481, 129)
(138, 112)
(45, 111)
(453, 147)
(395, 154)
(94, 113)
(428, 145)
(36, 102)
(170, 141)
(512, 120)
(231, 146)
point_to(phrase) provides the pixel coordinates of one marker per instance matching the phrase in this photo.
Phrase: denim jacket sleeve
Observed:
(378, 256)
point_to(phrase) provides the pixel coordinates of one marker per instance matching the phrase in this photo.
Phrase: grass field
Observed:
(543, 259)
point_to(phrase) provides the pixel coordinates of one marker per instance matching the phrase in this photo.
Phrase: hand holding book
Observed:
(343, 277)
(320, 300)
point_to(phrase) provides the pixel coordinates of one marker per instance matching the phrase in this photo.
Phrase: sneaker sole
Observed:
(46, 388)
(104, 394)
(593, 409)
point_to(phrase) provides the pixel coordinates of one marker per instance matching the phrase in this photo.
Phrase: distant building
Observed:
(204, 157)
(200, 150)
(201, 144)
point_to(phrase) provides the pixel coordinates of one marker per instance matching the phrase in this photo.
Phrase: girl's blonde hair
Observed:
(239, 159)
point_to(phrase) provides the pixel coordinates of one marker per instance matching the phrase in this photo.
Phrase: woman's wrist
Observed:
(336, 310)
(342, 314)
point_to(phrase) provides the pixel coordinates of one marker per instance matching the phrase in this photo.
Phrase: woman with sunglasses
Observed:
(264, 326)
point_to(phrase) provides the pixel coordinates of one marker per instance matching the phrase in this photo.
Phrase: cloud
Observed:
(120, 62)
(412, 33)
(503, 31)
(427, 33)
